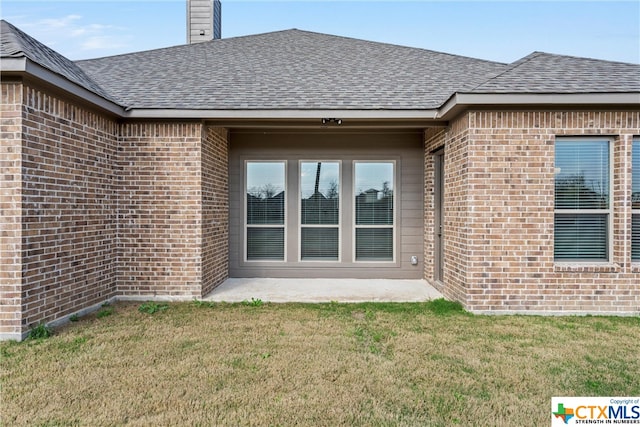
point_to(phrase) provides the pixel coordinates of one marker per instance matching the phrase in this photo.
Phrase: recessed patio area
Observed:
(323, 290)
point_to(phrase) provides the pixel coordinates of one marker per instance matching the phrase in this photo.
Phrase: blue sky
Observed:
(496, 30)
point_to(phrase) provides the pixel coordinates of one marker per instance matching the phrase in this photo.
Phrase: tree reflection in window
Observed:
(319, 210)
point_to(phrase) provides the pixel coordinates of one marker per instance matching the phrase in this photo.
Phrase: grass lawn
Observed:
(317, 364)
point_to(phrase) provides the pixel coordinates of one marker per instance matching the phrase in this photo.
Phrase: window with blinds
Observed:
(635, 202)
(374, 211)
(582, 200)
(265, 210)
(320, 211)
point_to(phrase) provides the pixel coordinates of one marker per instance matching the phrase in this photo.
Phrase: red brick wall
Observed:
(510, 212)
(159, 210)
(68, 201)
(215, 208)
(10, 210)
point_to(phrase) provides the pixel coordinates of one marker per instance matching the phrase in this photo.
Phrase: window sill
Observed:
(635, 267)
(577, 267)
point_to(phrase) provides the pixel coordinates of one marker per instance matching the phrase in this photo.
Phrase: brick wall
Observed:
(215, 208)
(456, 198)
(10, 210)
(68, 201)
(510, 215)
(159, 210)
(93, 209)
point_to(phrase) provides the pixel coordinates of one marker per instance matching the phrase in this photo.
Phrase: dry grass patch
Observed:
(324, 364)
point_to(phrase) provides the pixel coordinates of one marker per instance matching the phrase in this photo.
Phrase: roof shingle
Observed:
(290, 69)
(542, 72)
(301, 70)
(14, 43)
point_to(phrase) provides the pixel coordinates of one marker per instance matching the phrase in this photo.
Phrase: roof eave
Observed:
(23, 66)
(461, 101)
(248, 118)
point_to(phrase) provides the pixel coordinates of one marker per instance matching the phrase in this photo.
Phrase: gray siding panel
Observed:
(404, 148)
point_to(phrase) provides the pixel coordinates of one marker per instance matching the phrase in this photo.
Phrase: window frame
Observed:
(355, 226)
(301, 225)
(635, 145)
(577, 212)
(246, 226)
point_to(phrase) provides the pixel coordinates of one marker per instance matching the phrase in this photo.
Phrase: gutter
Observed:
(460, 101)
(23, 65)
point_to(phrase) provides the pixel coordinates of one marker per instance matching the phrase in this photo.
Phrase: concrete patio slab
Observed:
(323, 290)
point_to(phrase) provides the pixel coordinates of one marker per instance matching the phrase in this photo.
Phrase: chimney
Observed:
(203, 20)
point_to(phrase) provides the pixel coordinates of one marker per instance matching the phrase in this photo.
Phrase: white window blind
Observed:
(635, 201)
(319, 211)
(265, 211)
(374, 211)
(582, 200)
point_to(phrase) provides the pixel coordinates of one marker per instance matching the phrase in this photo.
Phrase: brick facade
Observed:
(215, 208)
(93, 209)
(10, 209)
(59, 223)
(499, 198)
(159, 210)
(172, 210)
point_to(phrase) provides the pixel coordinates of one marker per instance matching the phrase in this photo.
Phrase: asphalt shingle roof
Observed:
(289, 69)
(300, 70)
(16, 44)
(542, 72)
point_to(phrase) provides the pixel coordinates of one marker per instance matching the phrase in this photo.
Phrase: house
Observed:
(159, 174)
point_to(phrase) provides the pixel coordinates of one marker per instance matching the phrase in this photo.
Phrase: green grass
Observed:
(203, 363)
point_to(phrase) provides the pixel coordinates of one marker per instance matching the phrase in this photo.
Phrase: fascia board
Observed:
(460, 100)
(13, 65)
(281, 114)
(29, 68)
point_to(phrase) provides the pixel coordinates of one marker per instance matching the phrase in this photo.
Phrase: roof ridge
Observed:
(372, 42)
(583, 58)
(10, 39)
(397, 45)
(511, 67)
(16, 43)
(183, 45)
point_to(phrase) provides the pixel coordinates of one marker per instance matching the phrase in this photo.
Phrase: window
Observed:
(635, 202)
(265, 211)
(319, 211)
(374, 211)
(582, 201)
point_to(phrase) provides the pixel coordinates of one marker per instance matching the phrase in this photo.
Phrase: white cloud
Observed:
(73, 37)
(103, 43)
(58, 23)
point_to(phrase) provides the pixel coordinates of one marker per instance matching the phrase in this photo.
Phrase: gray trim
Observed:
(14, 64)
(21, 66)
(282, 114)
(458, 101)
